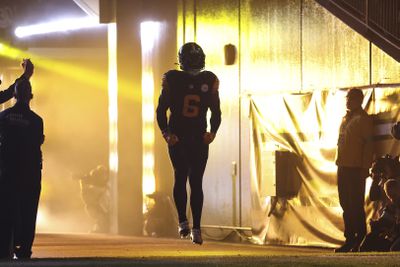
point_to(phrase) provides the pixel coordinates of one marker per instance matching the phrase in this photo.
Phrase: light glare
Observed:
(113, 121)
(149, 33)
(57, 26)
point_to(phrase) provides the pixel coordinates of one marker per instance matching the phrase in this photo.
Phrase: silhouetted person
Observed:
(160, 217)
(353, 158)
(383, 169)
(95, 192)
(21, 136)
(26, 75)
(385, 231)
(188, 94)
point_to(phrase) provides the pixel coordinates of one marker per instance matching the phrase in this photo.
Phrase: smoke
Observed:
(76, 140)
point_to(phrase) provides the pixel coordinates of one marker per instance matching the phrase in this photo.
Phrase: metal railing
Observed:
(382, 15)
(376, 20)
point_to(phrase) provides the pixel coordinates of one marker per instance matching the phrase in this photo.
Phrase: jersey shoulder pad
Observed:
(213, 80)
(170, 77)
(208, 74)
(172, 73)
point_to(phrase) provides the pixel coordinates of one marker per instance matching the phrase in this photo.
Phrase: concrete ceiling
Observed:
(14, 13)
(91, 7)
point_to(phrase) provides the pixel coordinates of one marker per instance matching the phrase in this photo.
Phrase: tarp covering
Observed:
(293, 173)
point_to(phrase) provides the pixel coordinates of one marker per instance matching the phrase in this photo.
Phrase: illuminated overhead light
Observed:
(57, 26)
(149, 33)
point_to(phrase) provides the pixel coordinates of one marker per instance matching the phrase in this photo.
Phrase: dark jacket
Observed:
(21, 136)
(8, 93)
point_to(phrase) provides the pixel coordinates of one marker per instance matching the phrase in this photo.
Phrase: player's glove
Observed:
(171, 139)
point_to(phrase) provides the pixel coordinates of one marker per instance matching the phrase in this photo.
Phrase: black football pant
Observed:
(351, 188)
(189, 159)
(18, 209)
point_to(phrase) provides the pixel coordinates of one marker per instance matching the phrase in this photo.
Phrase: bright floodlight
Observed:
(57, 26)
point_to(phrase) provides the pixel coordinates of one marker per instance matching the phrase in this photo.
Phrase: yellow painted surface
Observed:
(334, 55)
(270, 46)
(384, 68)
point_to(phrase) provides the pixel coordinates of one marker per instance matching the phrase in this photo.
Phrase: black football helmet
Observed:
(396, 130)
(191, 57)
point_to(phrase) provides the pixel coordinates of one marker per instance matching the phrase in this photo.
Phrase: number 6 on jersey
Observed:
(190, 106)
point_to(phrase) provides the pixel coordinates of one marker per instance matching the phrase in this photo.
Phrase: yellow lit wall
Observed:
(217, 25)
(384, 68)
(270, 46)
(334, 55)
(283, 45)
(188, 19)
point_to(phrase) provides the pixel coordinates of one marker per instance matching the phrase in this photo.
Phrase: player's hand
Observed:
(208, 138)
(28, 67)
(171, 139)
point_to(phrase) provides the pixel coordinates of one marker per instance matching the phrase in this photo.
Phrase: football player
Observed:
(189, 94)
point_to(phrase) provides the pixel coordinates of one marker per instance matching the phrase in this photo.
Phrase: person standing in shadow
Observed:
(354, 157)
(21, 137)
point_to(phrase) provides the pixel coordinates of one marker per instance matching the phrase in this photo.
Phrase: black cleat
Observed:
(183, 229)
(195, 236)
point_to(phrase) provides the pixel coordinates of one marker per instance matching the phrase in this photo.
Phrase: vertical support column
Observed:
(165, 58)
(130, 203)
(126, 131)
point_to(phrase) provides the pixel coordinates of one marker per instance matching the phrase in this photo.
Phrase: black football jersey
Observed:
(188, 97)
